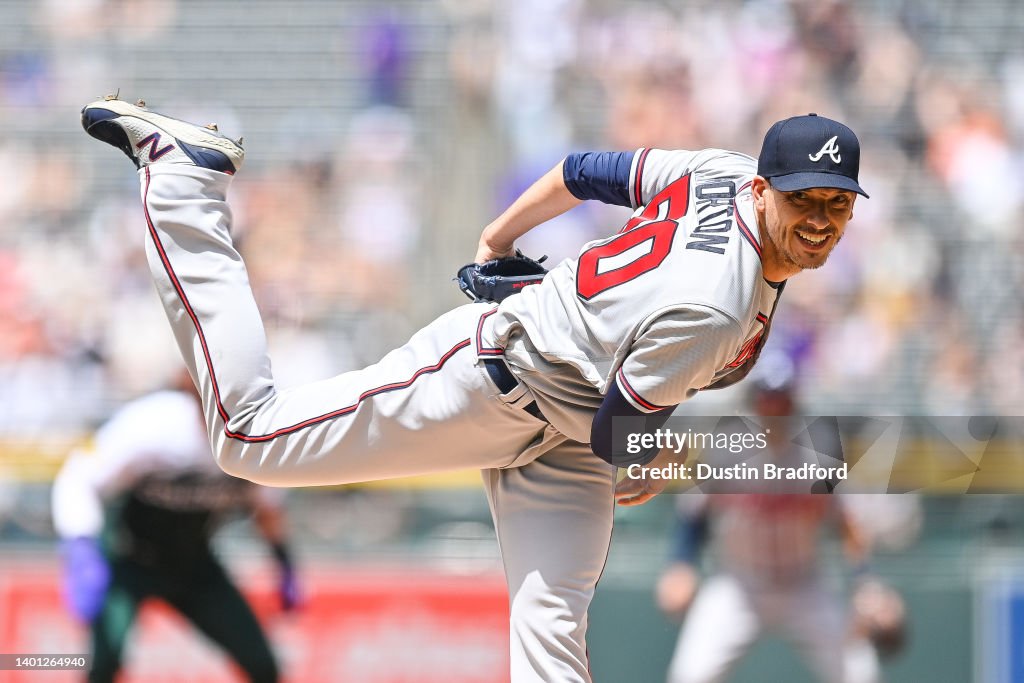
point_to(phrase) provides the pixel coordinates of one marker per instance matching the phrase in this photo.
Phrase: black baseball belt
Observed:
(503, 378)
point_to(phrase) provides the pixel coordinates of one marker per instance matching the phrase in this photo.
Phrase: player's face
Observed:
(803, 226)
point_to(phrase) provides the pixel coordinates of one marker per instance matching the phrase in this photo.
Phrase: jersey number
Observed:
(641, 246)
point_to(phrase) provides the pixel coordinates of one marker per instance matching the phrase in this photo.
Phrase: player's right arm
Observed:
(85, 482)
(603, 176)
(674, 356)
(78, 520)
(75, 499)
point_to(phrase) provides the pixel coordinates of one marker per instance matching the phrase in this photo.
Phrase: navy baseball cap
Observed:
(809, 151)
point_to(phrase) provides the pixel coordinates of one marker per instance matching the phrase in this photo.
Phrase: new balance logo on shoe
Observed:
(155, 151)
(830, 148)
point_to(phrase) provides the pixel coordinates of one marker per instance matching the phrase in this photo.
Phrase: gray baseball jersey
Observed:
(672, 304)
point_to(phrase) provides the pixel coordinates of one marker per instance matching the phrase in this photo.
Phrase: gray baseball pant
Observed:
(426, 407)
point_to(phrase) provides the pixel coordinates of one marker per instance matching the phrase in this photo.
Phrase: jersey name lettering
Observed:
(714, 216)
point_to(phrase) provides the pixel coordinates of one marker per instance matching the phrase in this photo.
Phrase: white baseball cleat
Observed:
(149, 138)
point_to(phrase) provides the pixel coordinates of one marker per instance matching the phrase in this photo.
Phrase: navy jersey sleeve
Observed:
(603, 176)
(614, 421)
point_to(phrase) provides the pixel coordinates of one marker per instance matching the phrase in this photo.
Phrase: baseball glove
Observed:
(500, 278)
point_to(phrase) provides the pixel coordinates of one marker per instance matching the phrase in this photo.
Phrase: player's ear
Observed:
(759, 189)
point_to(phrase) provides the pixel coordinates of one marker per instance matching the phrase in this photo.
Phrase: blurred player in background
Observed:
(769, 575)
(135, 520)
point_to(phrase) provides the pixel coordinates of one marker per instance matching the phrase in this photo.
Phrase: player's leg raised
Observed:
(426, 407)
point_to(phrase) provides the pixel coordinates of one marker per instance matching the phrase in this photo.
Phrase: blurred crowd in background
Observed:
(383, 137)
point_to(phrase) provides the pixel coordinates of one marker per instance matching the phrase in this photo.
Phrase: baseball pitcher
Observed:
(679, 300)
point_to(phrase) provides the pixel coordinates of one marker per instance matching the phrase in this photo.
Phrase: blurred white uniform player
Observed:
(768, 572)
(136, 516)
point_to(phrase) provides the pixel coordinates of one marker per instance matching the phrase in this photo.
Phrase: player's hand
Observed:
(879, 614)
(291, 597)
(632, 492)
(676, 588)
(487, 252)
(86, 577)
(637, 491)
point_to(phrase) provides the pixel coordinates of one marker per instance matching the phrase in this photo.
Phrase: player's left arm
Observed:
(603, 176)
